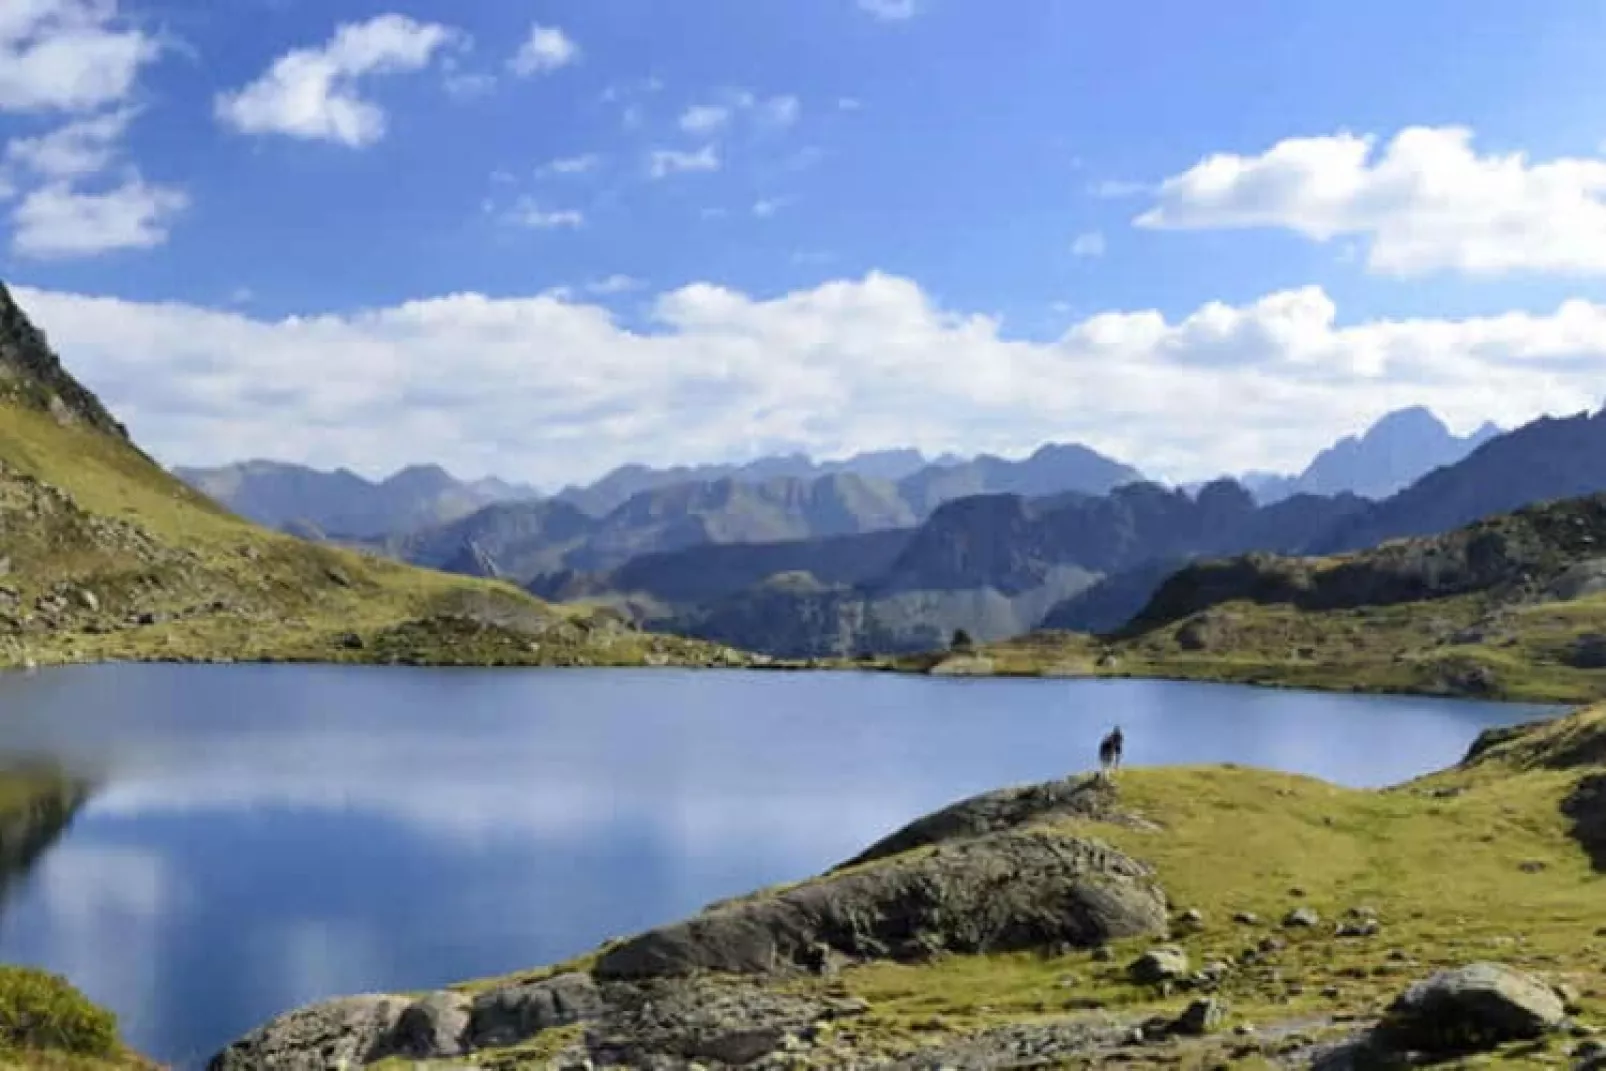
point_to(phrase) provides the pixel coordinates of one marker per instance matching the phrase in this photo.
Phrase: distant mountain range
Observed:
(341, 504)
(993, 565)
(890, 552)
(998, 565)
(1388, 457)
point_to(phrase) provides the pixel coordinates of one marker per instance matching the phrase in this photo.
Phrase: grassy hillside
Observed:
(1513, 607)
(1517, 831)
(103, 555)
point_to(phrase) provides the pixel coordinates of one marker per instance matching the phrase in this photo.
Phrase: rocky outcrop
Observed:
(1517, 555)
(32, 374)
(1088, 798)
(1585, 806)
(1005, 892)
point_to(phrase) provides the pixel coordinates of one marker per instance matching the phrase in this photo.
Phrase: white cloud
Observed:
(546, 49)
(58, 221)
(80, 148)
(1090, 244)
(556, 390)
(889, 10)
(613, 284)
(662, 162)
(778, 111)
(848, 104)
(312, 93)
(1426, 202)
(704, 118)
(570, 165)
(766, 207)
(528, 213)
(69, 55)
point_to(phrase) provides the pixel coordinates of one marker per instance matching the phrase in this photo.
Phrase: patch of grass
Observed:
(40, 1011)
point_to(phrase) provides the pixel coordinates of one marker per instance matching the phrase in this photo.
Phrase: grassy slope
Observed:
(1407, 648)
(217, 587)
(1472, 863)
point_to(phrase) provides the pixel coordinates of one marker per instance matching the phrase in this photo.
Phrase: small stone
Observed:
(1192, 917)
(1247, 918)
(1102, 954)
(1272, 944)
(1330, 992)
(1302, 918)
(1203, 1016)
(1159, 965)
(1531, 866)
(1358, 928)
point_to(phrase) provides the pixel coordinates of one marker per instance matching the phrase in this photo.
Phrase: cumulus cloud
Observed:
(57, 220)
(1426, 201)
(546, 49)
(80, 148)
(312, 93)
(889, 10)
(664, 162)
(1090, 244)
(554, 390)
(71, 55)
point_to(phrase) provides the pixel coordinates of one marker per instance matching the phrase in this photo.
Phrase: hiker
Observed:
(1110, 752)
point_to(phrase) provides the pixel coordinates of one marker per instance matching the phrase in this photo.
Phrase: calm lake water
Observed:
(268, 836)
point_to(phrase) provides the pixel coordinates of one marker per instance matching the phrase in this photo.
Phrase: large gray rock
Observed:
(510, 1014)
(1473, 1007)
(1009, 891)
(435, 1025)
(354, 1030)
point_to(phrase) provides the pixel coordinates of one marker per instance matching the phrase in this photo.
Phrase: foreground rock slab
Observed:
(1005, 892)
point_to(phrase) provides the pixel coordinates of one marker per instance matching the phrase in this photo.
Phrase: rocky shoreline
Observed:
(1029, 880)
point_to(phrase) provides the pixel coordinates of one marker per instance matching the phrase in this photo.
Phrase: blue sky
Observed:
(943, 223)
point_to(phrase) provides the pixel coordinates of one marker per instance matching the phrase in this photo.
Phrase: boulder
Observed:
(433, 1026)
(511, 1014)
(1468, 1008)
(1165, 964)
(1203, 1016)
(354, 1030)
(1010, 891)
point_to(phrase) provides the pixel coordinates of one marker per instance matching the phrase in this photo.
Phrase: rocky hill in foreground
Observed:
(1188, 917)
(104, 555)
